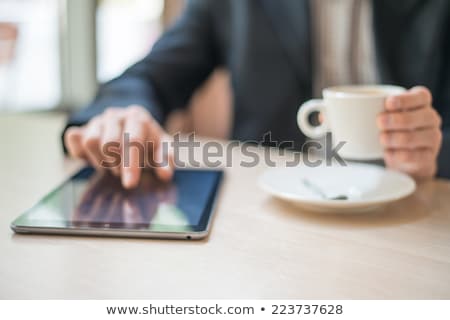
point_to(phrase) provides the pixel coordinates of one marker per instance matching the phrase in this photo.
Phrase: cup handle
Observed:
(305, 110)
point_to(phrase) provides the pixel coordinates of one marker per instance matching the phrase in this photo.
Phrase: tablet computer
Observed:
(95, 203)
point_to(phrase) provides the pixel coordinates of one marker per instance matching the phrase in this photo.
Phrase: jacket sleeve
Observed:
(442, 104)
(166, 78)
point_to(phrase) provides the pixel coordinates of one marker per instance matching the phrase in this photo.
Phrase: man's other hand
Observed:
(411, 133)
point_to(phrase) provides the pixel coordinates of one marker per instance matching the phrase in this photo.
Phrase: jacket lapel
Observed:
(291, 21)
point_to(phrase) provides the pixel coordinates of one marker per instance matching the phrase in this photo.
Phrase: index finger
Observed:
(133, 151)
(415, 98)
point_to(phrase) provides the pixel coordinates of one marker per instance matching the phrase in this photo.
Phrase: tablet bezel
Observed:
(204, 226)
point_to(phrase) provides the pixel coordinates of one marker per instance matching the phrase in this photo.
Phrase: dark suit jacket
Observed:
(266, 45)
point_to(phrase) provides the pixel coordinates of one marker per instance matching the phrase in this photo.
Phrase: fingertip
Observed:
(130, 179)
(424, 91)
(165, 173)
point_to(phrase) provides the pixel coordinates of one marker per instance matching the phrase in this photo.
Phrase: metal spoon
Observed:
(311, 186)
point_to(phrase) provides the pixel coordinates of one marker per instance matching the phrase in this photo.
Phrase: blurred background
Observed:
(54, 53)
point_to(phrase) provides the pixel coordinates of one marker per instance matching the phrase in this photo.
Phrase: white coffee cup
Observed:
(349, 113)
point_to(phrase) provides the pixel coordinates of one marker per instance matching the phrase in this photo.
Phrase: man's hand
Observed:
(102, 132)
(411, 133)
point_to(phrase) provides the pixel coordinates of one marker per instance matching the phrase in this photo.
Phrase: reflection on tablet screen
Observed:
(94, 199)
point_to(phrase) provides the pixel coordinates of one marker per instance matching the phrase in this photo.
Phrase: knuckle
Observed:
(135, 110)
(140, 122)
(134, 138)
(111, 112)
(95, 120)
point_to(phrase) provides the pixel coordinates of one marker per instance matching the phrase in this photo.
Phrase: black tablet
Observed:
(95, 203)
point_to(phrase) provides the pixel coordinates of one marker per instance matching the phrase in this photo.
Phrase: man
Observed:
(281, 53)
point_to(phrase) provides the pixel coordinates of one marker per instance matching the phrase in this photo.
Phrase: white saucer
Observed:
(365, 186)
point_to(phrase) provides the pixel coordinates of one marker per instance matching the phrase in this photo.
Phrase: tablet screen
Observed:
(92, 199)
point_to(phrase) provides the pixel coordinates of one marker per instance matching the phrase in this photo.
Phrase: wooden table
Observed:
(259, 247)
